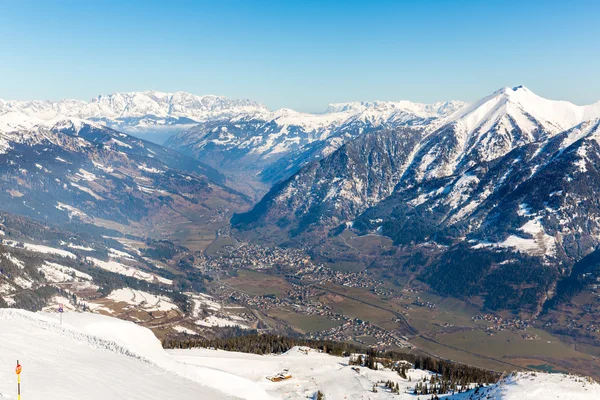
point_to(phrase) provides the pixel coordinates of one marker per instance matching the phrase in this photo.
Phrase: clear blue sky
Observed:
(300, 54)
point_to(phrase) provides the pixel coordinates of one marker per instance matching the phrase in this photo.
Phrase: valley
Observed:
(435, 230)
(411, 320)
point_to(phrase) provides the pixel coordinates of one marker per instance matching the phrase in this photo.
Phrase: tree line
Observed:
(450, 375)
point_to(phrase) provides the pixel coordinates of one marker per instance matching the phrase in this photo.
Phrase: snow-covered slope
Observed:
(491, 127)
(312, 372)
(537, 386)
(95, 357)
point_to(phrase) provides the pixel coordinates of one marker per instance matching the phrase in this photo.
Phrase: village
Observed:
(498, 323)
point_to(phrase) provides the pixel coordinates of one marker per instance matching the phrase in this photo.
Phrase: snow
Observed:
(127, 270)
(98, 357)
(57, 273)
(201, 300)
(23, 282)
(72, 211)
(213, 320)
(87, 190)
(183, 329)
(119, 254)
(535, 386)
(78, 247)
(561, 115)
(86, 175)
(41, 249)
(219, 317)
(94, 357)
(119, 143)
(14, 260)
(102, 167)
(143, 167)
(310, 372)
(135, 111)
(145, 300)
(541, 244)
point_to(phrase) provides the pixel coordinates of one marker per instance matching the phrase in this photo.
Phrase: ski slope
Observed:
(311, 371)
(100, 358)
(537, 386)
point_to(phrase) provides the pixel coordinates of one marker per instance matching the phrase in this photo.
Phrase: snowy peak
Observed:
(523, 106)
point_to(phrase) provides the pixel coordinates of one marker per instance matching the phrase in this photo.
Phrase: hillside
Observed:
(74, 171)
(96, 357)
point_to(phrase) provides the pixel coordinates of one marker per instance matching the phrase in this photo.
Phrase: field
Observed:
(258, 283)
(348, 301)
(304, 323)
(449, 332)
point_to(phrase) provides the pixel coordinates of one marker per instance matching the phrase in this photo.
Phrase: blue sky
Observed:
(300, 54)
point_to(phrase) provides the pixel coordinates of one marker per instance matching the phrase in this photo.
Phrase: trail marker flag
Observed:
(18, 370)
(61, 308)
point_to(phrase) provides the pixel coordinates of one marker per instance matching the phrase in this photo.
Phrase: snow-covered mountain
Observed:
(149, 114)
(493, 126)
(512, 172)
(477, 133)
(276, 144)
(535, 386)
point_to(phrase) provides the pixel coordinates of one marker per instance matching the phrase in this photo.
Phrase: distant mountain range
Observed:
(152, 115)
(253, 146)
(271, 146)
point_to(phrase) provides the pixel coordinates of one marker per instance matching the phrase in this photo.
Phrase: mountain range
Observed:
(503, 188)
(150, 114)
(266, 147)
(498, 194)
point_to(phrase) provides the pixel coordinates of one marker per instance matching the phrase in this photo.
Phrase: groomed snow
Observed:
(94, 357)
(538, 386)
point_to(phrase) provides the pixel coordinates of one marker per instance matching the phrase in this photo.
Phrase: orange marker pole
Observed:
(18, 370)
